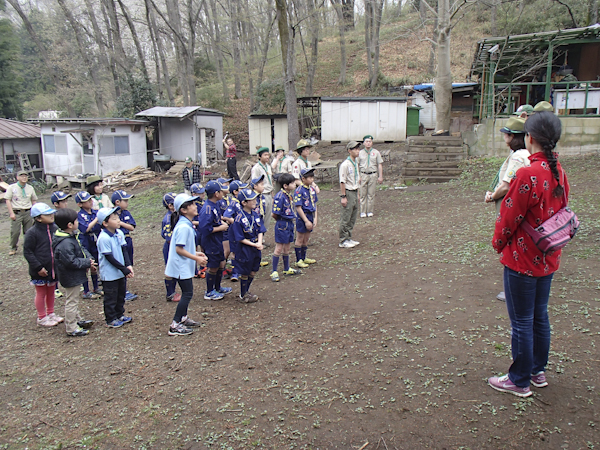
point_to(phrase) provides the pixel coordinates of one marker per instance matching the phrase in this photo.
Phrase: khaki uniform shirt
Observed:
(20, 198)
(514, 162)
(298, 166)
(259, 169)
(349, 175)
(369, 161)
(284, 165)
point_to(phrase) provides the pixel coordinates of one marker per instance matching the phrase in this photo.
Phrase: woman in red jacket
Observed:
(535, 194)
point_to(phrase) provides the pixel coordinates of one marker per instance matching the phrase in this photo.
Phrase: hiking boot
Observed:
(187, 322)
(78, 332)
(539, 380)
(56, 318)
(346, 244)
(85, 324)
(13, 251)
(275, 277)
(503, 384)
(292, 271)
(213, 295)
(173, 297)
(180, 330)
(247, 298)
(301, 264)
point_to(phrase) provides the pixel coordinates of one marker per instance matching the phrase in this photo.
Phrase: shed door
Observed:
(259, 134)
(89, 160)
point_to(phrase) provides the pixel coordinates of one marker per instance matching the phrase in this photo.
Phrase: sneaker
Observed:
(78, 332)
(227, 274)
(354, 242)
(85, 324)
(130, 296)
(57, 293)
(346, 244)
(225, 290)
(13, 251)
(501, 296)
(362, 215)
(301, 264)
(126, 319)
(264, 263)
(539, 380)
(89, 296)
(370, 215)
(98, 292)
(292, 271)
(173, 297)
(248, 298)
(213, 295)
(275, 277)
(56, 318)
(310, 261)
(187, 322)
(46, 322)
(234, 277)
(503, 384)
(180, 330)
(115, 324)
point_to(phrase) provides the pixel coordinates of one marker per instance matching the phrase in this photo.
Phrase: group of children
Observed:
(220, 221)
(64, 245)
(225, 220)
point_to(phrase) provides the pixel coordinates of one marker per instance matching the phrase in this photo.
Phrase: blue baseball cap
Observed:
(212, 187)
(120, 195)
(181, 199)
(169, 199)
(41, 208)
(103, 213)
(247, 194)
(197, 188)
(236, 185)
(224, 180)
(307, 172)
(255, 181)
(82, 196)
(58, 196)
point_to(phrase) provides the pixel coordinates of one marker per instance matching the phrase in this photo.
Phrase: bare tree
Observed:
(218, 51)
(348, 14)
(337, 6)
(136, 41)
(373, 14)
(314, 27)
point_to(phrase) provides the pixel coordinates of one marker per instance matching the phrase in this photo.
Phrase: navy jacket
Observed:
(71, 259)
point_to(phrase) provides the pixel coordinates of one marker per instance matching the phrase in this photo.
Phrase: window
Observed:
(114, 145)
(54, 143)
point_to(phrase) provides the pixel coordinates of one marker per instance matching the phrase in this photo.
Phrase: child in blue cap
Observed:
(198, 191)
(305, 201)
(248, 230)
(166, 232)
(59, 199)
(89, 229)
(181, 264)
(211, 229)
(229, 216)
(37, 250)
(223, 205)
(120, 199)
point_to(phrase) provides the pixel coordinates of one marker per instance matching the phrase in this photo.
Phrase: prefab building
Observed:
(267, 130)
(74, 148)
(188, 131)
(351, 118)
(19, 138)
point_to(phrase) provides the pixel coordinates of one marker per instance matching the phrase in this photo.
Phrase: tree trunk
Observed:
(191, 51)
(368, 33)
(443, 79)
(493, 11)
(115, 32)
(431, 65)
(136, 41)
(594, 12)
(235, 40)
(378, 10)
(314, 47)
(288, 56)
(218, 50)
(174, 24)
(161, 51)
(422, 12)
(111, 53)
(83, 50)
(41, 49)
(348, 12)
(343, 60)
(264, 54)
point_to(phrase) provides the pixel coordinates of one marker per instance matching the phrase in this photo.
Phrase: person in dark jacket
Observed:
(72, 262)
(191, 175)
(37, 250)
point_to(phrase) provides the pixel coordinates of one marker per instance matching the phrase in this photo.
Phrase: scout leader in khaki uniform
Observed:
(349, 184)
(371, 172)
(263, 168)
(20, 197)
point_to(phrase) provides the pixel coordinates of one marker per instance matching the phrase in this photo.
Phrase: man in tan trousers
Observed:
(370, 163)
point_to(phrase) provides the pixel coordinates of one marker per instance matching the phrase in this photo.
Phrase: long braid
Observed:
(552, 161)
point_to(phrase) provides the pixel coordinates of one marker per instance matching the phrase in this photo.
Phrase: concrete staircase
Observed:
(434, 159)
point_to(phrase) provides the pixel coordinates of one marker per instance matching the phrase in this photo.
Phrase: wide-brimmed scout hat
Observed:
(352, 144)
(93, 179)
(279, 149)
(543, 106)
(22, 172)
(514, 125)
(302, 143)
(524, 109)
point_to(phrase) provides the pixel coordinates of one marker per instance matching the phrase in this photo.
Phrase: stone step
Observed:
(426, 164)
(431, 157)
(437, 140)
(435, 149)
(435, 171)
(430, 179)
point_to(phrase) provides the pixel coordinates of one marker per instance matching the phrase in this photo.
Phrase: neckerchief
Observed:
(355, 170)
(266, 172)
(99, 199)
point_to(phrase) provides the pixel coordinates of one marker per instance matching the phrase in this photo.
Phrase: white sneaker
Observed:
(370, 215)
(354, 242)
(47, 322)
(56, 318)
(363, 215)
(347, 244)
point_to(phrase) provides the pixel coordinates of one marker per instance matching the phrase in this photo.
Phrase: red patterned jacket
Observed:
(529, 198)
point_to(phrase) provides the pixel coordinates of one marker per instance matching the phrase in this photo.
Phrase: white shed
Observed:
(188, 131)
(348, 118)
(267, 130)
(72, 148)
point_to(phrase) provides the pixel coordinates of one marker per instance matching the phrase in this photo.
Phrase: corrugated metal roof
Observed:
(12, 129)
(181, 112)
(93, 121)
(363, 99)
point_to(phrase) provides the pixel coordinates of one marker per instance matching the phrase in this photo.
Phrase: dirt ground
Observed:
(384, 346)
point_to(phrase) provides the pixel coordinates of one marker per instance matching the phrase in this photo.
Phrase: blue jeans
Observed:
(527, 304)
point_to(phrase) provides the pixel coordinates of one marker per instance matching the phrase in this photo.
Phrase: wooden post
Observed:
(549, 72)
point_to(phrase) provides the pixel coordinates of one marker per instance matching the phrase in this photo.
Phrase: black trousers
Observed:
(232, 168)
(114, 299)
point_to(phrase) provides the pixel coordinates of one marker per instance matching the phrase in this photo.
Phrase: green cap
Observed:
(352, 144)
(543, 106)
(514, 125)
(368, 136)
(524, 109)
(262, 150)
